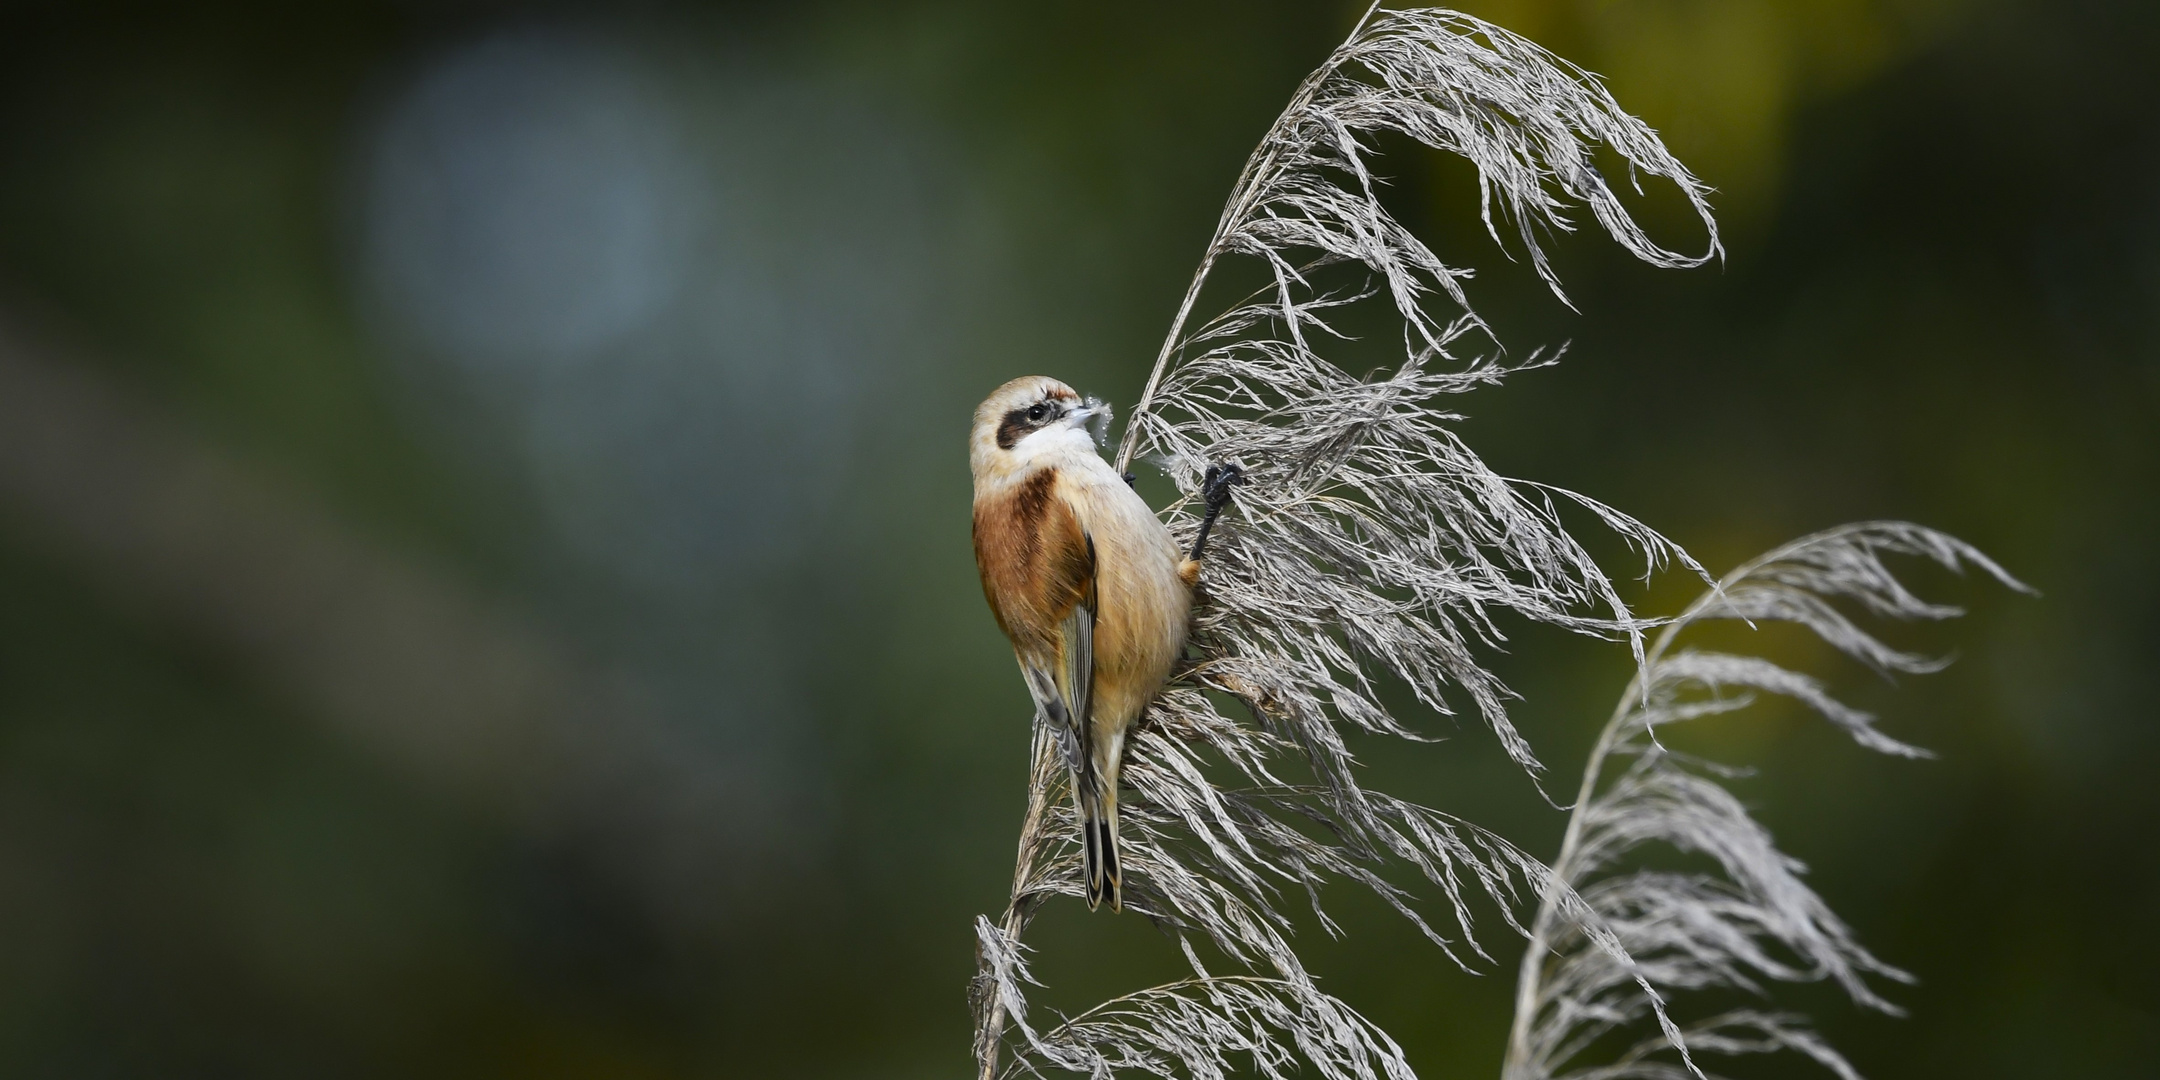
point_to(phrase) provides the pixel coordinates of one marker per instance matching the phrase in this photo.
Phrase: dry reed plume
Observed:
(1373, 548)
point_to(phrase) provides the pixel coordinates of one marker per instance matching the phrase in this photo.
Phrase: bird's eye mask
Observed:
(1020, 423)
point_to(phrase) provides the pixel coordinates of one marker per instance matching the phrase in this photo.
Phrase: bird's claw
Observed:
(1215, 492)
(1215, 486)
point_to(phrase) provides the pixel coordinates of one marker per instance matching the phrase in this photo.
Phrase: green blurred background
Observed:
(484, 578)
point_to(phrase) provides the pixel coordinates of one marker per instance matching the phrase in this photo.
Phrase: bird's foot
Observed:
(1215, 493)
(1215, 486)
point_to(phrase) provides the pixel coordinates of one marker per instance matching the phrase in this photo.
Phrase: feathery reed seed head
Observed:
(1373, 546)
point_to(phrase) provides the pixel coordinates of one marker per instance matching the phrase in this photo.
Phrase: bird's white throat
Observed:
(1057, 447)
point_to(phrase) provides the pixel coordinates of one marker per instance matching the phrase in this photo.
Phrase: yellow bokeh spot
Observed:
(1721, 80)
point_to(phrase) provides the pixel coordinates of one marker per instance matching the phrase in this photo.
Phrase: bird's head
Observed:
(1029, 421)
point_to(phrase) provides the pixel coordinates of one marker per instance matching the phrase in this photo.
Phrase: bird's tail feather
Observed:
(1099, 844)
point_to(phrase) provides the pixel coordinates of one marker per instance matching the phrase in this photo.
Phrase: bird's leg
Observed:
(1215, 490)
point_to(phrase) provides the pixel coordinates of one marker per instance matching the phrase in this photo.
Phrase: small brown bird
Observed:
(1087, 583)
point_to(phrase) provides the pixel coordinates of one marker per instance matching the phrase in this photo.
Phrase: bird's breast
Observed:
(1031, 551)
(1143, 607)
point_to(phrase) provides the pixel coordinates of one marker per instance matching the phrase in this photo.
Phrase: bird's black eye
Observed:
(1038, 412)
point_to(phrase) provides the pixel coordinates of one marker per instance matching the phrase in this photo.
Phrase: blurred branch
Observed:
(388, 650)
(392, 652)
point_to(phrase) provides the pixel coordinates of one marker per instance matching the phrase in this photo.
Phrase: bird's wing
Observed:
(1076, 651)
(1063, 684)
(1050, 708)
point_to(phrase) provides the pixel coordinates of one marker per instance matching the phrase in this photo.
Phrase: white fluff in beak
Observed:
(1096, 415)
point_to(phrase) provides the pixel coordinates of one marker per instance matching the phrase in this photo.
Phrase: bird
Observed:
(1086, 582)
